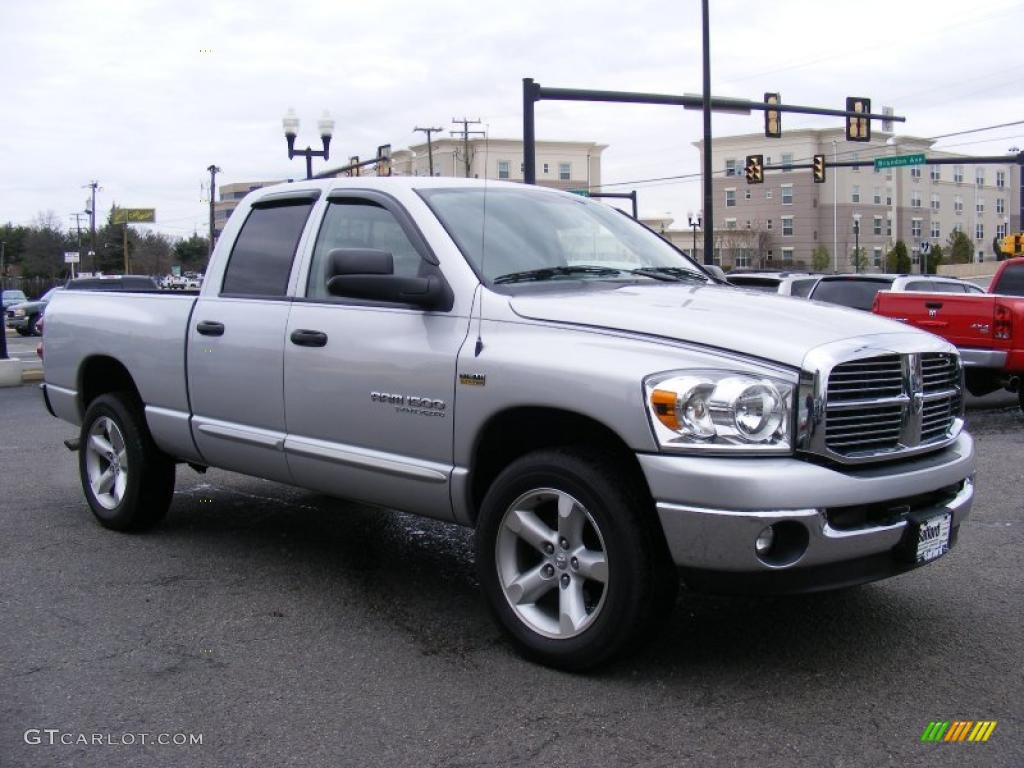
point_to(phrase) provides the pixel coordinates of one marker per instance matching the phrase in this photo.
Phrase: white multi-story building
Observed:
(788, 216)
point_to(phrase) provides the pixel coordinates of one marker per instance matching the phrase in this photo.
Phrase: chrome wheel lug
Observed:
(564, 543)
(565, 580)
(575, 563)
(549, 548)
(548, 570)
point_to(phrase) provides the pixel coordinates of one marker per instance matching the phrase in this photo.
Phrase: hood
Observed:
(772, 327)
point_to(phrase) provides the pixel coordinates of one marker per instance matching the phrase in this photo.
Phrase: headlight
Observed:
(19, 313)
(722, 411)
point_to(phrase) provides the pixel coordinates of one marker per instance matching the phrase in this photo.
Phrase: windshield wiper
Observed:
(674, 274)
(546, 273)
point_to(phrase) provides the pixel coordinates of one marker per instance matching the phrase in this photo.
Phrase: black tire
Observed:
(148, 484)
(24, 331)
(31, 329)
(641, 582)
(1020, 398)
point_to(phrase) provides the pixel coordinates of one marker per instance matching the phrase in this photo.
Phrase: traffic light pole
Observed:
(622, 195)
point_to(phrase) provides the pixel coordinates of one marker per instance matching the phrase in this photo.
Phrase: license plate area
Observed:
(927, 537)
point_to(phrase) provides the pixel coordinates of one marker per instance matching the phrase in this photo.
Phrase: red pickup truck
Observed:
(987, 328)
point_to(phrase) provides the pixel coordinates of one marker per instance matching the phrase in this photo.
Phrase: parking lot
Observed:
(290, 629)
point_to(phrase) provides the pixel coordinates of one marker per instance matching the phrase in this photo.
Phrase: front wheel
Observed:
(570, 560)
(127, 480)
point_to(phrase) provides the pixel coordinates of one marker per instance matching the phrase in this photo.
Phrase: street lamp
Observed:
(695, 223)
(325, 125)
(856, 243)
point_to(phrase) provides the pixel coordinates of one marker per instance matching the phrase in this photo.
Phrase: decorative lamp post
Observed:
(695, 222)
(325, 125)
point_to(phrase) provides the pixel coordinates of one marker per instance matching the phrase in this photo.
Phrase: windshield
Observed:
(533, 235)
(14, 297)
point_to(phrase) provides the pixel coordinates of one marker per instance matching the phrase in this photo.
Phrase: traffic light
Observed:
(818, 169)
(858, 128)
(772, 117)
(1012, 245)
(754, 169)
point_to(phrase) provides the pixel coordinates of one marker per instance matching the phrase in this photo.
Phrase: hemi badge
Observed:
(473, 379)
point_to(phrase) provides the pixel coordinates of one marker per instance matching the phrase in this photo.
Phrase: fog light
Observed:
(764, 541)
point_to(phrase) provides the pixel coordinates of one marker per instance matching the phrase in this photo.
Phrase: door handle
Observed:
(307, 338)
(210, 328)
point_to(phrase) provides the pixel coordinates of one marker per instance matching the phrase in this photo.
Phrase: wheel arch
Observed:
(100, 375)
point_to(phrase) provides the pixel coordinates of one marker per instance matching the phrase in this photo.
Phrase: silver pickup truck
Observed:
(606, 414)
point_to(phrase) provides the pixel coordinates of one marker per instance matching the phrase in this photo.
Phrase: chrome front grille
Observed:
(875, 407)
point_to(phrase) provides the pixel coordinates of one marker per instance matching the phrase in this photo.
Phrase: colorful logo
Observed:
(958, 730)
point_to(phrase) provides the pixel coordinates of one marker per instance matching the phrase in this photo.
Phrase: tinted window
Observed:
(261, 258)
(802, 287)
(859, 294)
(766, 284)
(935, 286)
(1011, 282)
(360, 224)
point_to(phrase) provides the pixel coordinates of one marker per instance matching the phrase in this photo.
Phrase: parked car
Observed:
(602, 411)
(1009, 278)
(782, 283)
(11, 297)
(24, 317)
(113, 283)
(988, 329)
(858, 290)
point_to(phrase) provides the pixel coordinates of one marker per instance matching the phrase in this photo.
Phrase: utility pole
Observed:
(430, 146)
(465, 133)
(214, 170)
(709, 202)
(93, 185)
(77, 216)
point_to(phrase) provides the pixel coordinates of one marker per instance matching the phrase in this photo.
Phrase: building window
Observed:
(522, 168)
(958, 205)
(936, 232)
(787, 226)
(935, 171)
(981, 256)
(787, 255)
(888, 226)
(787, 194)
(888, 195)
(503, 169)
(915, 199)
(855, 194)
(545, 169)
(787, 161)
(915, 172)
(730, 198)
(915, 227)
(746, 193)
(564, 171)
(1000, 231)
(1000, 179)
(768, 224)
(979, 231)
(935, 202)
(979, 205)
(730, 167)
(979, 176)
(767, 194)
(855, 156)
(876, 198)
(876, 255)
(742, 257)
(730, 223)
(1000, 206)
(958, 174)
(876, 225)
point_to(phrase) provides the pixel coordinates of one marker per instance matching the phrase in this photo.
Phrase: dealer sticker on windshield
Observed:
(933, 537)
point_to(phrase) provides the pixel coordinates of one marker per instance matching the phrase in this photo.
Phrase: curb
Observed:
(35, 374)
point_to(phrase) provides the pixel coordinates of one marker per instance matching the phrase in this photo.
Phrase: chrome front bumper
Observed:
(712, 509)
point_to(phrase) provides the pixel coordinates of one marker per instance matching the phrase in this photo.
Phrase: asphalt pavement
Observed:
(23, 348)
(288, 629)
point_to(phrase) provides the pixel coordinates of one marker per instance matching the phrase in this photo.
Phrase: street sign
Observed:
(71, 257)
(134, 215)
(925, 248)
(899, 160)
(581, 192)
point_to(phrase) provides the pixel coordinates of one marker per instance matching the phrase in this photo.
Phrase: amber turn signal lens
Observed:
(664, 403)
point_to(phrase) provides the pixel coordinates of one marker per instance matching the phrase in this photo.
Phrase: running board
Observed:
(73, 443)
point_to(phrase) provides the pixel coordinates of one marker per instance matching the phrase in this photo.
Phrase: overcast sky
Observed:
(124, 92)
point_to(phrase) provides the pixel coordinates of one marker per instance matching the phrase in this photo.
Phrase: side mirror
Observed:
(715, 270)
(368, 273)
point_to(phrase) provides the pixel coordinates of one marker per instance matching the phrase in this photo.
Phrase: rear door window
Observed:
(802, 287)
(1011, 282)
(261, 259)
(934, 286)
(859, 294)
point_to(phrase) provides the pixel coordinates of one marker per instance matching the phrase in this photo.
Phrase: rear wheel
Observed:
(569, 559)
(127, 480)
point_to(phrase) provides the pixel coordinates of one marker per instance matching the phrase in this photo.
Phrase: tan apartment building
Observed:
(230, 196)
(560, 164)
(788, 216)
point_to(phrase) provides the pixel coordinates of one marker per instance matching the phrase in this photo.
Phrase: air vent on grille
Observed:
(871, 410)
